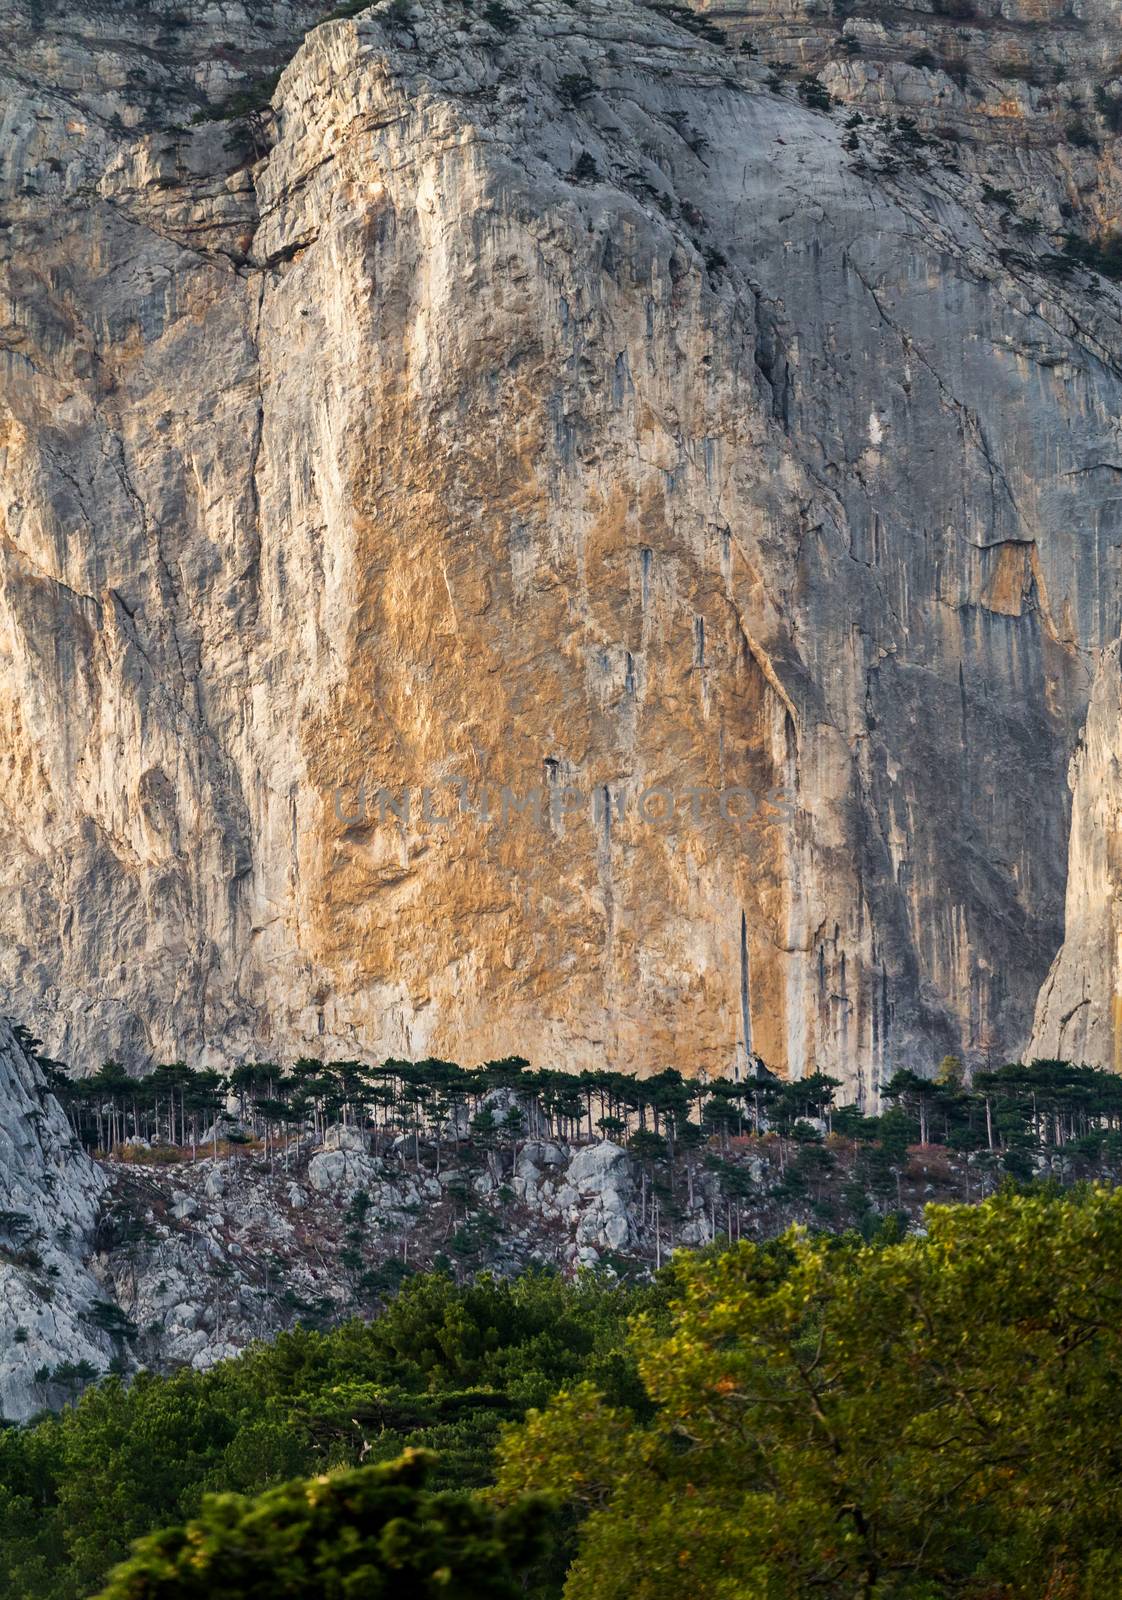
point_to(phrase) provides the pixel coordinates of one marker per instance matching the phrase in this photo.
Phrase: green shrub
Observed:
(815, 94)
(1103, 256)
(253, 98)
(500, 17)
(999, 197)
(914, 1418)
(584, 169)
(1109, 107)
(1078, 134)
(375, 1532)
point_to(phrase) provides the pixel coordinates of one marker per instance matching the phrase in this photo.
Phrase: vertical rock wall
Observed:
(563, 409)
(49, 1195)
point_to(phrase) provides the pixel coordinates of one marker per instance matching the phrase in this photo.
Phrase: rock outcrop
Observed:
(602, 1176)
(541, 398)
(1079, 1015)
(591, 1190)
(1029, 92)
(202, 1258)
(343, 1163)
(49, 1198)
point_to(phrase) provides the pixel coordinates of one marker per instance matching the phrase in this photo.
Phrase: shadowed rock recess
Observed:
(563, 398)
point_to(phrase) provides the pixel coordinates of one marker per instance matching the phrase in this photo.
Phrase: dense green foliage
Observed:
(442, 1368)
(912, 1418)
(927, 1418)
(376, 1532)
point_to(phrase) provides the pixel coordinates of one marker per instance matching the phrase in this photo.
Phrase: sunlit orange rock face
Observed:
(702, 521)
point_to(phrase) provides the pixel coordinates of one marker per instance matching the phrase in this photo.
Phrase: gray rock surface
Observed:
(343, 1170)
(1079, 1014)
(49, 1197)
(602, 1176)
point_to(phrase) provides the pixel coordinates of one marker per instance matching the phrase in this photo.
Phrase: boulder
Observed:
(502, 1102)
(596, 1194)
(536, 1154)
(600, 1166)
(344, 1137)
(696, 1231)
(343, 1171)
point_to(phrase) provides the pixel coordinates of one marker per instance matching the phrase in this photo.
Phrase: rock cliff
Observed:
(1079, 1013)
(564, 399)
(50, 1193)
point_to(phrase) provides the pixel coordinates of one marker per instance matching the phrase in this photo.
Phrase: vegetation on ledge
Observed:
(1011, 1112)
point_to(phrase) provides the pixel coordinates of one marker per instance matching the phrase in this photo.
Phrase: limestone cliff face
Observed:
(1027, 91)
(1079, 1014)
(49, 1198)
(538, 400)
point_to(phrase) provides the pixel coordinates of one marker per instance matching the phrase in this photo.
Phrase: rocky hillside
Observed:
(163, 1254)
(559, 399)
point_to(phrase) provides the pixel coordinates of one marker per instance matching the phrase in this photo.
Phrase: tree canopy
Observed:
(916, 1417)
(441, 1369)
(905, 1421)
(376, 1532)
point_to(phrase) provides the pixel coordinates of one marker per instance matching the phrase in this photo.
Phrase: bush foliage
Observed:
(911, 1418)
